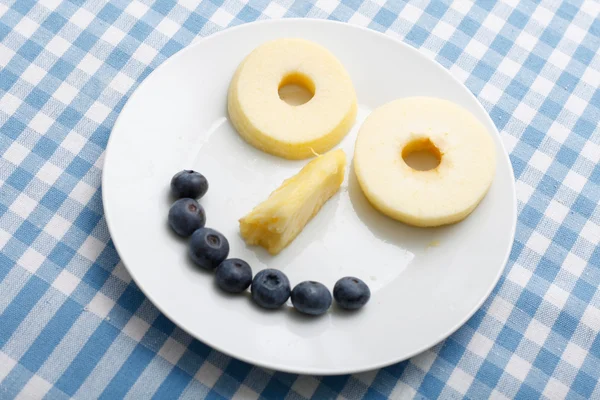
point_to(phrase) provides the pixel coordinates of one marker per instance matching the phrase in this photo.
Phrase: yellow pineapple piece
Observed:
(275, 222)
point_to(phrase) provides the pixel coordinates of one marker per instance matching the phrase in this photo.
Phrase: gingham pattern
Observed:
(73, 324)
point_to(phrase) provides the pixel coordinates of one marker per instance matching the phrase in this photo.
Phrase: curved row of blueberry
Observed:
(270, 288)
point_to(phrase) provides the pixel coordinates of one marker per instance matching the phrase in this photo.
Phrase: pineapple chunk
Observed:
(274, 223)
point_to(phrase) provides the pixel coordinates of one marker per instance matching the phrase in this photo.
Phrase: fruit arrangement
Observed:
(443, 194)
(269, 288)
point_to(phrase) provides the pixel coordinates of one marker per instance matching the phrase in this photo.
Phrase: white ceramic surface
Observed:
(425, 282)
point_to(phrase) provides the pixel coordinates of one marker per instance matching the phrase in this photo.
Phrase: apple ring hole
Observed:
(296, 89)
(421, 155)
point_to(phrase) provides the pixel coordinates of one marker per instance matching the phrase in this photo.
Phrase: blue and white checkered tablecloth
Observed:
(73, 324)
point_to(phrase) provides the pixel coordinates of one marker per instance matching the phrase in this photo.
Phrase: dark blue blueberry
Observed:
(208, 248)
(351, 293)
(185, 216)
(270, 288)
(188, 183)
(311, 298)
(233, 275)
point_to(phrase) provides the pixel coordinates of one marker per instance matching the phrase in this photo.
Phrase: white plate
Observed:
(425, 282)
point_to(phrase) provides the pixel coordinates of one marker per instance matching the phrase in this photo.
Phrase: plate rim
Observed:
(311, 370)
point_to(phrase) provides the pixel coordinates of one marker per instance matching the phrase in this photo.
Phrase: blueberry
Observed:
(185, 216)
(233, 275)
(270, 288)
(188, 183)
(311, 298)
(351, 293)
(208, 248)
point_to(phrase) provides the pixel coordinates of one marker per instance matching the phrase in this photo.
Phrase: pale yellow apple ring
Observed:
(276, 127)
(443, 195)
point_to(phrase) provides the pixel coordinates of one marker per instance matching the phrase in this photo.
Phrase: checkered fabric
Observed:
(73, 324)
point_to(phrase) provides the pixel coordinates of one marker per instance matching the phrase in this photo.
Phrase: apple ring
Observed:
(443, 195)
(276, 127)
